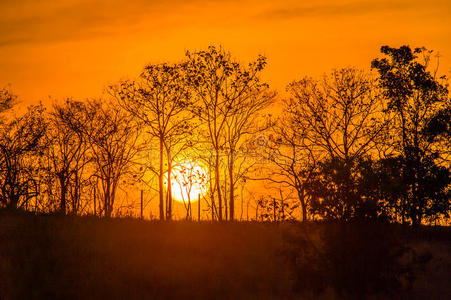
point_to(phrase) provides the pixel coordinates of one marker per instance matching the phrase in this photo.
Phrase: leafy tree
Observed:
(339, 121)
(438, 130)
(7, 100)
(381, 185)
(415, 97)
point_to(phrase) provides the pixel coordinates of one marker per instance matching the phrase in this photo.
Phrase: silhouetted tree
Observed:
(292, 162)
(159, 99)
(340, 119)
(241, 125)
(415, 96)
(67, 155)
(7, 100)
(20, 142)
(381, 184)
(228, 95)
(190, 177)
(112, 138)
(438, 130)
(368, 186)
(275, 209)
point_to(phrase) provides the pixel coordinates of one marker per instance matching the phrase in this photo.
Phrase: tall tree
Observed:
(415, 95)
(113, 140)
(292, 161)
(243, 123)
(20, 143)
(159, 99)
(67, 155)
(227, 93)
(340, 118)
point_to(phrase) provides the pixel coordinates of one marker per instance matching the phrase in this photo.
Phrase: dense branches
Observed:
(21, 139)
(416, 96)
(228, 96)
(160, 99)
(345, 146)
(338, 121)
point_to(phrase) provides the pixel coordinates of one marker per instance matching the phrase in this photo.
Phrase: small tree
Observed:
(20, 142)
(192, 181)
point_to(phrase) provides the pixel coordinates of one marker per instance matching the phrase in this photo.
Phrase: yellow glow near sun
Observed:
(188, 181)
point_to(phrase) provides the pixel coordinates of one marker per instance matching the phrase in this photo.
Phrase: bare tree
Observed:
(292, 158)
(20, 142)
(223, 88)
(112, 138)
(159, 99)
(191, 180)
(340, 118)
(342, 112)
(67, 155)
(242, 124)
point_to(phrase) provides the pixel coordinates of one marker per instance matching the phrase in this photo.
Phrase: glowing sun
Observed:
(188, 181)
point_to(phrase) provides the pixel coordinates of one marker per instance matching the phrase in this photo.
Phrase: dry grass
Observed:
(73, 257)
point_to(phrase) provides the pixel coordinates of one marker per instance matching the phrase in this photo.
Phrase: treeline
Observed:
(349, 145)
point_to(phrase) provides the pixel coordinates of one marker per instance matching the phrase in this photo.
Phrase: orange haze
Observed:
(75, 47)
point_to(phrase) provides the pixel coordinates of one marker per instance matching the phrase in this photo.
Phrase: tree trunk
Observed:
(169, 191)
(160, 181)
(198, 209)
(106, 202)
(300, 193)
(304, 210)
(212, 192)
(218, 188)
(95, 212)
(142, 196)
(63, 192)
(231, 187)
(274, 209)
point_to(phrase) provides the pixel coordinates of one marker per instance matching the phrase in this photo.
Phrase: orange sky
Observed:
(74, 47)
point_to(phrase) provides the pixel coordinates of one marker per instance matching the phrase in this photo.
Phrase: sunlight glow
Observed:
(188, 181)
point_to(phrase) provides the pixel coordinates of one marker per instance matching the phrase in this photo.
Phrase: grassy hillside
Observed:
(82, 257)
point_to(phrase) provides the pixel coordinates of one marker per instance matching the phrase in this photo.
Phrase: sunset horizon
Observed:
(225, 149)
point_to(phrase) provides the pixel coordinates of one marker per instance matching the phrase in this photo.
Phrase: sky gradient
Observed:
(74, 48)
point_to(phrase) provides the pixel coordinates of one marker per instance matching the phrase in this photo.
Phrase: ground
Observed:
(49, 257)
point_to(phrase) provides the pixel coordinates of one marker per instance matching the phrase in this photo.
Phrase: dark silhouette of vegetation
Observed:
(66, 158)
(338, 120)
(415, 96)
(347, 146)
(160, 99)
(228, 97)
(356, 156)
(21, 141)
